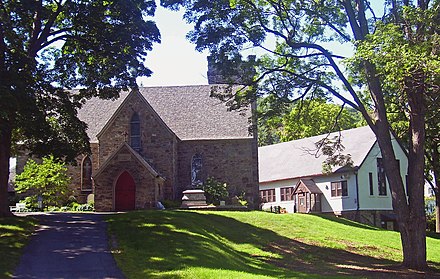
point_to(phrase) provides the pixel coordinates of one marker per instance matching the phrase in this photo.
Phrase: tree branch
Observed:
(59, 38)
(38, 44)
(352, 19)
(263, 25)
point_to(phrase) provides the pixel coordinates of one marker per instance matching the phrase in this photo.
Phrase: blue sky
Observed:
(175, 61)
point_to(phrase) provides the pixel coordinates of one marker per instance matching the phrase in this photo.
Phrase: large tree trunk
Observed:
(410, 212)
(410, 217)
(413, 231)
(436, 170)
(437, 213)
(5, 153)
(437, 200)
(414, 228)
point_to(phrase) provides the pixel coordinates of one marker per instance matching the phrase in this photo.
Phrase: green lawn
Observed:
(206, 244)
(14, 234)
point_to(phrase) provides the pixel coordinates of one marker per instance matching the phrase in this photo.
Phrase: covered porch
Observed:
(307, 196)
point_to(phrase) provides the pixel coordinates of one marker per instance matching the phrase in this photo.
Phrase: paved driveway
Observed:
(68, 245)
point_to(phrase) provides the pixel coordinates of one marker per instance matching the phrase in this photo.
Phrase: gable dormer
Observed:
(136, 123)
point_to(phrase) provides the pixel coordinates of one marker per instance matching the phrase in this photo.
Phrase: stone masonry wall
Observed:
(228, 160)
(74, 171)
(146, 183)
(372, 218)
(158, 143)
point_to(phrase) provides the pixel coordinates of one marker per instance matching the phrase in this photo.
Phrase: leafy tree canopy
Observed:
(48, 47)
(395, 49)
(306, 118)
(48, 180)
(409, 60)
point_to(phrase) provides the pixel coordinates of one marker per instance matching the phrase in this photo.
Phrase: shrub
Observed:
(430, 222)
(86, 207)
(48, 180)
(71, 200)
(430, 213)
(215, 190)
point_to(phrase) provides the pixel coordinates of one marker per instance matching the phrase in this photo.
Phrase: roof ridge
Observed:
(317, 136)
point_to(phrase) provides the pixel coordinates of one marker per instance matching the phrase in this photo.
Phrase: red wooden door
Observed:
(125, 192)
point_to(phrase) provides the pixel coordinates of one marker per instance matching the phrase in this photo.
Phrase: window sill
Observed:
(339, 197)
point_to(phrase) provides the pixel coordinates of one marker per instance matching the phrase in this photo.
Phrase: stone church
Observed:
(153, 143)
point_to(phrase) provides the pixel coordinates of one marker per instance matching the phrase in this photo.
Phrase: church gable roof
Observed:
(297, 158)
(133, 97)
(124, 147)
(97, 112)
(188, 111)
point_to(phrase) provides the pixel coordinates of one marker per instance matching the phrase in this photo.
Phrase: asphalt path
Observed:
(68, 245)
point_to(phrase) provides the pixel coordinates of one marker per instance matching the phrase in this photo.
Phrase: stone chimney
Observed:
(232, 72)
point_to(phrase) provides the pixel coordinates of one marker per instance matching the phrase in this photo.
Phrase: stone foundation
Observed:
(377, 218)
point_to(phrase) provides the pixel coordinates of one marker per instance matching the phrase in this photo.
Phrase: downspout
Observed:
(357, 197)
(255, 171)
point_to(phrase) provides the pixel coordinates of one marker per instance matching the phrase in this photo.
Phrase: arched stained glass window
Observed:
(86, 174)
(196, 170)
(135, 132)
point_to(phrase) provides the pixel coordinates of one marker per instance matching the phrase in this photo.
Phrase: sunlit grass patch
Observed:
(14, 233)
(200, 272)
(206, 244)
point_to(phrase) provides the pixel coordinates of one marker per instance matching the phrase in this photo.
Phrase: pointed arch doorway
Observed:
(125, 190)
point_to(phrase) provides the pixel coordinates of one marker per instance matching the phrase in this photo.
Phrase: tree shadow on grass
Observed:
(346, 221)
(162, 243)
(14, 234)
(433, 235)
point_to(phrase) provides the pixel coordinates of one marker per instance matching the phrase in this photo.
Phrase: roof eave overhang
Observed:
(311, 175)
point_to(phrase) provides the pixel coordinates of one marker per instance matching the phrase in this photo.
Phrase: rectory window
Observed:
(286, 194)
(267, 195)
(339, 189)
(381, 178)
(370, 180)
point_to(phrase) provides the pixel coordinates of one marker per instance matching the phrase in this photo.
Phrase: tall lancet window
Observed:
(196, 170)
(86, 174)
(135, 132)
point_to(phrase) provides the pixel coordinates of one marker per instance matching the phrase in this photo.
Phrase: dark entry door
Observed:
(302, 207)
(125, 190)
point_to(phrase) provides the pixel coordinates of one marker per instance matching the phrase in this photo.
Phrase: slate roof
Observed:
(295, 159)
(187, 110)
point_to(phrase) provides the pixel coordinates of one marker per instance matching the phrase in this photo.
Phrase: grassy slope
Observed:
(184, 244)
(14, 234)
